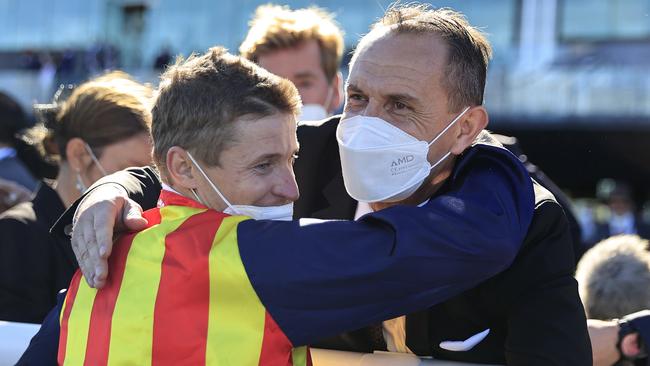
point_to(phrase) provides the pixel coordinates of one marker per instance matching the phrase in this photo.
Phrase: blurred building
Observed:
(569, 77)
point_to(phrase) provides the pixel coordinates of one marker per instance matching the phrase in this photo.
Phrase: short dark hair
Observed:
(199, 100)
(469, 50)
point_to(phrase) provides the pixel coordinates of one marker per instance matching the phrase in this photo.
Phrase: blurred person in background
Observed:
(12, 167)
(622, 218)
(26, 155)
(12, 193)
(614, 280)
(304, 46)
(102, 128)
(614, 277)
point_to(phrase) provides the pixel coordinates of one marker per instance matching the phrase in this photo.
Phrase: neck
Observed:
(430, 186)
(66, 185)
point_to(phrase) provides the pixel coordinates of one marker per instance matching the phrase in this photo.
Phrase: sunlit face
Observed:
(130, 152)
(398, 78)
(302, 66)
(257, 168)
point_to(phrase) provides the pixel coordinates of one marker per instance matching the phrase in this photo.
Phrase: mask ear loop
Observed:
(214, 187)
(95, 160)
(449, 126)
(442, 133)
(196, 196)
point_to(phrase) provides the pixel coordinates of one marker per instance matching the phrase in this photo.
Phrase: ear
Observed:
(179, 168)
(337, 93)
(77, 155)
(471, 124)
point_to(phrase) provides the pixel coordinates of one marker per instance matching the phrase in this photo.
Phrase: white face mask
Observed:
(81, 187)
(382, 163)
(281, 213)
(316, 112)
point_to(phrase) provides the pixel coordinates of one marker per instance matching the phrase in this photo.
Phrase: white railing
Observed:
(14, 339)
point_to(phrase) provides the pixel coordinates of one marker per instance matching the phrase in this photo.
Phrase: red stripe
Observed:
(309, 362)
(99, 333)
(180, 325)
(276, 348)
(72, 293)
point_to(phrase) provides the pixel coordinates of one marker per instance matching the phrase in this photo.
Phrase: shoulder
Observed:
(489, 152)
(488, 166)
(318, 129)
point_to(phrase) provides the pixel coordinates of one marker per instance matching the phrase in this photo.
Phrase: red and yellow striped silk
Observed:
(177, 294)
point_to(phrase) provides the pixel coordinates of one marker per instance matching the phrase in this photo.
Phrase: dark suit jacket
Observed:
(34, 265)
(319, 176)
(532, 309)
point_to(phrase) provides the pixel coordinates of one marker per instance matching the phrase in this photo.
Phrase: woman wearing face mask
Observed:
(102, 128)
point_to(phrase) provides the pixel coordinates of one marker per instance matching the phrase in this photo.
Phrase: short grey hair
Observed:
(614, 277)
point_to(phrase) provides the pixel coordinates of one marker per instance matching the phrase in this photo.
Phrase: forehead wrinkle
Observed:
(374, 78)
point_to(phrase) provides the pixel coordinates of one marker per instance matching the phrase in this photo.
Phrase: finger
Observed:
(99, 261)
(82, 255)
(104, 217)
(132, 216)
(91, 247)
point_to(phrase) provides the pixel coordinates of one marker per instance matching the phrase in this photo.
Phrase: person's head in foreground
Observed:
(224, 133)
(414, 103)
(102, 128)
(614, 277)
(304, 46)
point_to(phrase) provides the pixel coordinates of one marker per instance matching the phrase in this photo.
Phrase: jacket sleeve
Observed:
(319, 279)
(44, 346)
(142, 185)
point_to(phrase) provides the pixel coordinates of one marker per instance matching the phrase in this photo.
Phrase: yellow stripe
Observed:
(299, 356)
(79, 324)
(65, 301)
(132, 324)
(236, 321)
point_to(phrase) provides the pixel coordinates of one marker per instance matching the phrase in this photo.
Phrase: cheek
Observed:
(314, 94)
(258, 191)
(308, 96)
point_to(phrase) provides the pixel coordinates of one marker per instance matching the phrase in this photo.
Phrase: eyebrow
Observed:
(395, 96)
(304, 75)
(354, 88)
(403, 96)
(272, 156)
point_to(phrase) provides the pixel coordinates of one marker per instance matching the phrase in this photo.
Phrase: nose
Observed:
(373, 109)
(286, 187)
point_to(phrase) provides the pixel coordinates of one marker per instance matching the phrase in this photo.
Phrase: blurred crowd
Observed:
(102, 125)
